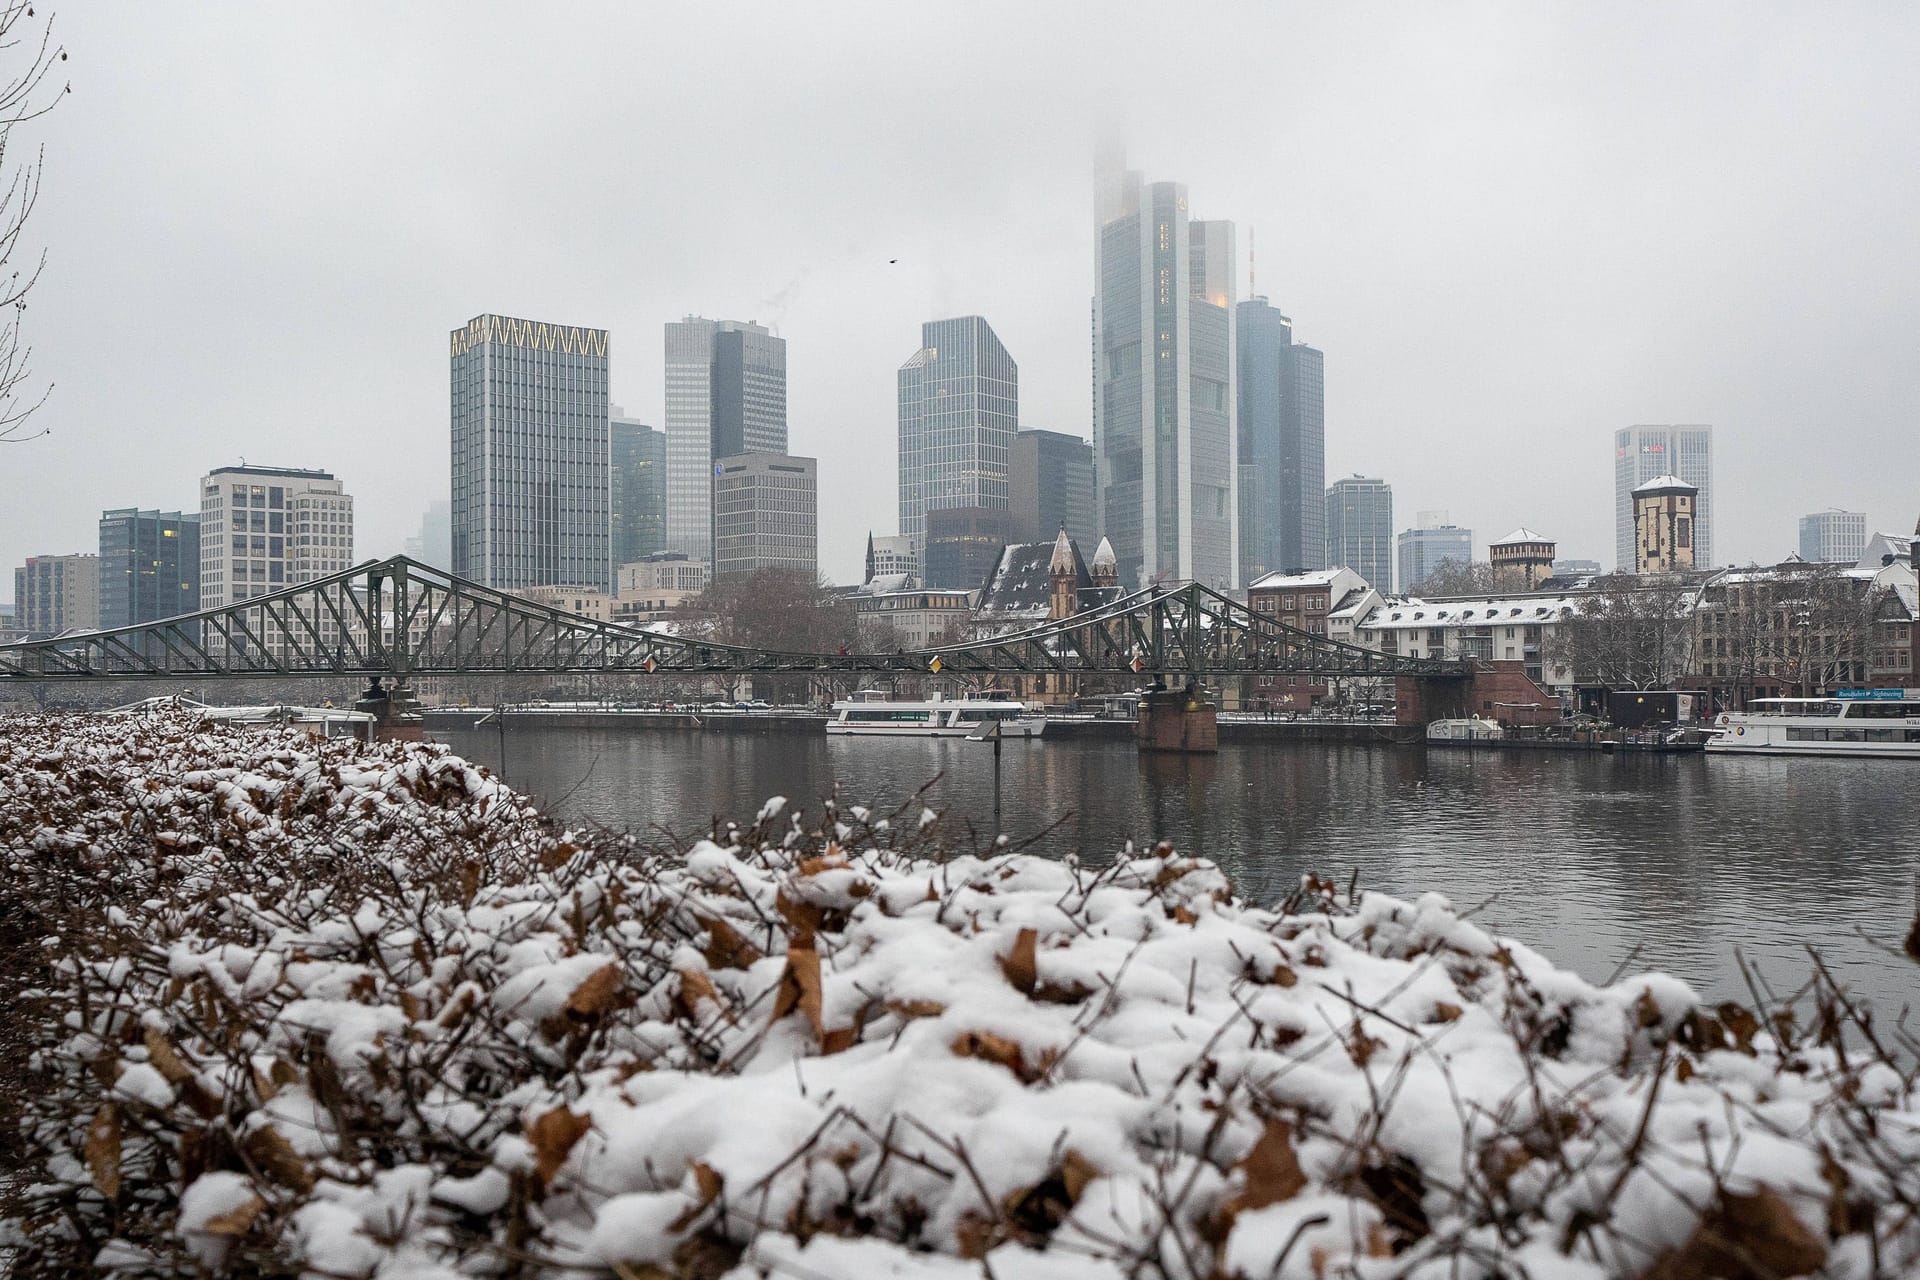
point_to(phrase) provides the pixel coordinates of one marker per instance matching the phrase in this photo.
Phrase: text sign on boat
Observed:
(1872, 695)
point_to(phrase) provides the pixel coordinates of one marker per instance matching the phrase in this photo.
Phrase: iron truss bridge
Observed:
(398, 618)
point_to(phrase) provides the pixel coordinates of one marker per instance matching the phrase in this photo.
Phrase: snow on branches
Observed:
(358, 1011)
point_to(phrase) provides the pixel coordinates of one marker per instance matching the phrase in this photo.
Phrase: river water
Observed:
(1684, 860)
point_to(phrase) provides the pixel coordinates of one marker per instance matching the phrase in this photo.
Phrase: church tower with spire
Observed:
(1063, 575)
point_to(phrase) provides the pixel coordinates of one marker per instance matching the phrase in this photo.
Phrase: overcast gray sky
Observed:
(1512, 228)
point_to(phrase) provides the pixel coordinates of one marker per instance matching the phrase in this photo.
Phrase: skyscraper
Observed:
(1425, 548)
(530, 454)
(150, 565)
(1833, 535)
(52, 594)
(959, 410)
(1164, 385)
(639, 489)
(267, 528)
(1641, 454)
(1050, 484)
(1282, 445)
(1360, 529)
(765, 514)
(726, 395)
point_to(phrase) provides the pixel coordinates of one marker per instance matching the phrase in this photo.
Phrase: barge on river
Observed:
(869, 713)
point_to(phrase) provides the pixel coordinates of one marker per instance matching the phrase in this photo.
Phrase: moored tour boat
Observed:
(870, 713)
(1875, 723)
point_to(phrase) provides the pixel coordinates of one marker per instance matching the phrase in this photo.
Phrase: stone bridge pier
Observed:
(1497, 690)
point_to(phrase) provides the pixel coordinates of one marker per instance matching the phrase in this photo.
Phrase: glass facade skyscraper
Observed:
(1360, 529)
(639, 483)
(1641, 454)
(1164, 384)
(1050, 484)
(959, 411)
(1281, 427)
(726, 395)
(149, 566)
(1423, 550)
(1832, 536)
(530, 454)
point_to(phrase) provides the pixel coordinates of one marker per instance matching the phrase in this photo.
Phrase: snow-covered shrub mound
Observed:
(357, 1011)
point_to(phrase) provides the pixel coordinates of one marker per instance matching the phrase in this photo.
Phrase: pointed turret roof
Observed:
(1663, 484)
(1063, 558)
(1522, 534)
(1103, 557)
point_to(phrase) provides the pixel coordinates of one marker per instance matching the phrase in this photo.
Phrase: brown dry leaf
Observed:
(277, 1159)
(161, 1054)
(553, 1136)
(1361, 1047)
(103, 1151)
(1745, 1237)
(469, 881)
(832, 860)
(1445, 1012)
(410, 1006)
(1076, 1171)
(1020, 964)
(599, 993)
(911, 1009)
(1284, 976)
(235, 1221)
(974, 1234)
(1741, 1025)
(800, 989)
(988, 1047)
(1647, 1010)
(1183, 915)
(695, 986)
(727, 948)
(710, 1184)
(1272, 1169)
(1683, 1069)
(839, 1040)
(803, 919)
(559, 855)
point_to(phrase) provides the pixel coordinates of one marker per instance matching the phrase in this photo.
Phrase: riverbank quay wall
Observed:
(1497, 690)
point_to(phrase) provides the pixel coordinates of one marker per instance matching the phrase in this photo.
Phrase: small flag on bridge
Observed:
(1138, 666)
(649, 666)
(934, 665)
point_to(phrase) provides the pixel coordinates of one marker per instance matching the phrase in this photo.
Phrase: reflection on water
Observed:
(1586, 857)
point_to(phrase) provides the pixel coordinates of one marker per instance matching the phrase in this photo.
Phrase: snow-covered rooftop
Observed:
(1297, 581)
(1661, 484)
(1486, 611)
(1522, 534)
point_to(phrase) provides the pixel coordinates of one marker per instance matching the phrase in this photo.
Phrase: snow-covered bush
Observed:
(359, 1011)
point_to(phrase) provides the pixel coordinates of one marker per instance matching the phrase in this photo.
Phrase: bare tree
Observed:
(1629, 632)
(27, 92)
(1808, 626)
(1469, 578)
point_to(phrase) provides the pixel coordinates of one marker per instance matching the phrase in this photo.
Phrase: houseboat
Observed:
(872, 713)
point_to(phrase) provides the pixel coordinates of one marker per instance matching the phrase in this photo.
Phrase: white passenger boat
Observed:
(871, 713)
(1886, 723)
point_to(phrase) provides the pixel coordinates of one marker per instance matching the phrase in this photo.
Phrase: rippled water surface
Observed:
(1585, 857)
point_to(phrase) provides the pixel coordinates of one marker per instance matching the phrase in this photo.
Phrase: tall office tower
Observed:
(1360, 529)
(1164, 384)
(766, 514)
(638, 481)
(530, 454)
(959, 410)
(1425, 549)
(150, 565)
(1833, 535)
(962, 545)
(433, 545)
(891, 555)
(263, 529)
(723, 398)
(1282, 445)
(52, 594)
(1050, 484)
(1641, 454)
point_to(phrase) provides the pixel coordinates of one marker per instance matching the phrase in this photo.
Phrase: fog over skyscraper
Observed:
(959, 410)
(1164, 385)
(530, 454)
(1641, 454)
(726, 395)
(1281, 430)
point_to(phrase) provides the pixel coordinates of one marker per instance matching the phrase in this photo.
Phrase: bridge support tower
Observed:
(1183, 720)
(396, 712)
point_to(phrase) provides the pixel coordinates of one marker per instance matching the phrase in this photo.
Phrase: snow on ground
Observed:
(361, 1011)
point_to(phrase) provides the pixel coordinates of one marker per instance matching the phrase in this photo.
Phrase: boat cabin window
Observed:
(1882, 710)
(865, 715)
(1796, 707)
